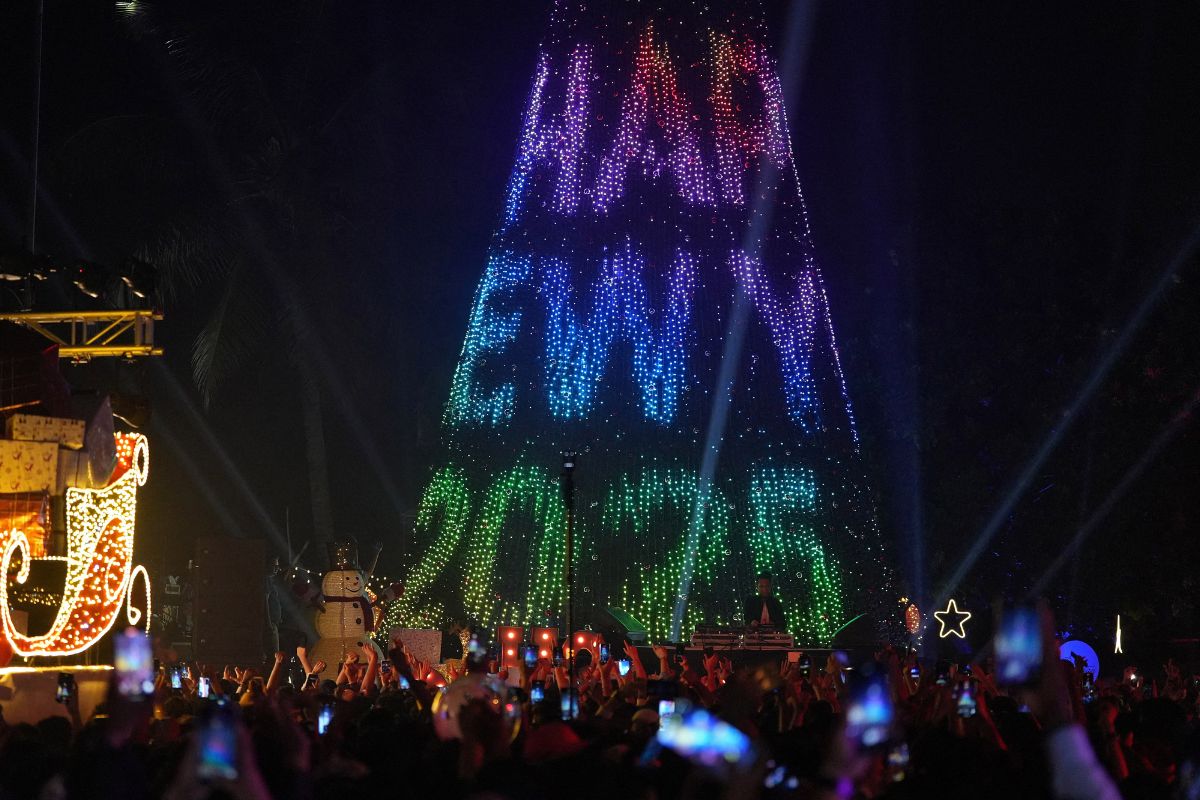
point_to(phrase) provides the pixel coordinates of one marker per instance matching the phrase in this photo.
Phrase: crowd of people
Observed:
(690, 725)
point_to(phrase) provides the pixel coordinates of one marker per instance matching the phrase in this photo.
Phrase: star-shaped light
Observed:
(958, 626)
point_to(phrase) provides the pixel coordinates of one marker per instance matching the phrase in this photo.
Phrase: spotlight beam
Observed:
(199, 479)
(298, 616)
(1069, 415)
(1164, 437)
(328, 374)
(799, 34)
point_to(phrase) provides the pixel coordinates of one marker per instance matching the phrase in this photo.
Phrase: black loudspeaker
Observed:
(230, 605)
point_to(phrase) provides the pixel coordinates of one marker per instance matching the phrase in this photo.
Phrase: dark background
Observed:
(994, 191)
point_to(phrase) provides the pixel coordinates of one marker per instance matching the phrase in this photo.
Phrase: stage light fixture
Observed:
(545, 640)
(590, 641)
(19, 265)
(91, 278)
(510, 638)
(140, 277)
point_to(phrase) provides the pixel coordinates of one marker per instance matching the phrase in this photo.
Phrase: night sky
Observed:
(994, 191)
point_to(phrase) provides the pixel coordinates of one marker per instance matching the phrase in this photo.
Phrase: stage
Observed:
(27, 693)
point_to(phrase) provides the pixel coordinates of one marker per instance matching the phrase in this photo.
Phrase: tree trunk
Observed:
(314, 435)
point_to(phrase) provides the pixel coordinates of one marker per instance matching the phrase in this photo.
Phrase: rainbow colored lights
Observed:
(577, 353)
(658, 133)
(650, 143)
(653, 102)
(489, 330)
(577, 350)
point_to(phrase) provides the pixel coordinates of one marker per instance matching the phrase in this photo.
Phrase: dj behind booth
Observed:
(763, 608)
(765, 631)
(762, 637)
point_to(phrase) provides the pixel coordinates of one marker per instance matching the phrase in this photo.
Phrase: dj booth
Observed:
(738, 638)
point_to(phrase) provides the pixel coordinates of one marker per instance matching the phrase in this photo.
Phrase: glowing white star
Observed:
(956, 628)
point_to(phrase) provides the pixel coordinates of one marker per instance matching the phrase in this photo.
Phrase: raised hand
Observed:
(832, 665)
(664, 661)
(560, 676)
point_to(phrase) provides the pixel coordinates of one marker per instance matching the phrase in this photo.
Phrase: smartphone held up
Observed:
(134, 664)
(218, 744)
(66, 688)
(705, 740)
(966, 704)
(1018, 647)
(324, 717)
(870, 714)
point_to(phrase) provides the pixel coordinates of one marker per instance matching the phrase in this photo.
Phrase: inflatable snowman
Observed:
(345, 619)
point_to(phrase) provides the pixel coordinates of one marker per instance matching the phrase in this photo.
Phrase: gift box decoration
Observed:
(28, 466)
(33, 428)
(27, 513)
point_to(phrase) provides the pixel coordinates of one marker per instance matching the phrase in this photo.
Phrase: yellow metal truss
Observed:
(84, 335)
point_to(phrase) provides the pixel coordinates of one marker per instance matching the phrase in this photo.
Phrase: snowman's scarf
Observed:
(368, 614)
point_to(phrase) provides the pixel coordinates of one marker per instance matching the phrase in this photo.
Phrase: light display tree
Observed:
(653, 250)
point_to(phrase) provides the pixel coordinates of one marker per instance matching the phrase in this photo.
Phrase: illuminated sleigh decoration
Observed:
(100, 575)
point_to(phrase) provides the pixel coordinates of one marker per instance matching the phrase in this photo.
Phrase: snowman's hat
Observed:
(343, 555)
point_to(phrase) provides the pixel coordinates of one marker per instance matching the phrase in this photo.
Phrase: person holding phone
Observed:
(220, 756)
(66, 688)
(1074, 768)
(763, 609)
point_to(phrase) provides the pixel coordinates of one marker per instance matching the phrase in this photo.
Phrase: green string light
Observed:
(447, 501)
(783, 503)
(637, 511)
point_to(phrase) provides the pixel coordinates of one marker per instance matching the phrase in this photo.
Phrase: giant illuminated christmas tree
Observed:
(653, 252)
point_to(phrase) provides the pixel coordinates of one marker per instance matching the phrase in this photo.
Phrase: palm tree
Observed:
(266, 216)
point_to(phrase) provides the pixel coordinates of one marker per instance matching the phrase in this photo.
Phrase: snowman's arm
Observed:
(375, 559)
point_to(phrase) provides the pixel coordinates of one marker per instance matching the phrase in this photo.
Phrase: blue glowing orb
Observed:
(1084, 651)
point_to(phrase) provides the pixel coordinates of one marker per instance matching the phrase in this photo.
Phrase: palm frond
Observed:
(191, 250)
(145, 148)
(229, 338)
